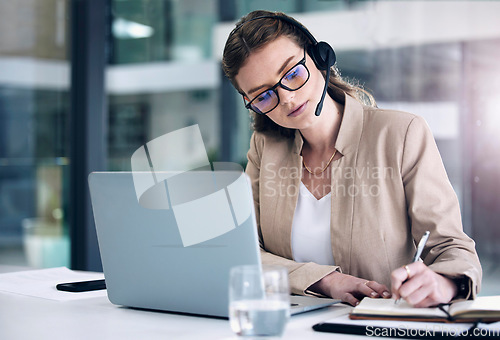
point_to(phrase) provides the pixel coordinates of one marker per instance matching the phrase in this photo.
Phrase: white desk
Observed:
(24, 317)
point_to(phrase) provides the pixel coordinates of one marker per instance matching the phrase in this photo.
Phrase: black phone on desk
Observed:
(82, 286)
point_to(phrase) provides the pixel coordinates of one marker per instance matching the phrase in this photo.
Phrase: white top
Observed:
(311, 228)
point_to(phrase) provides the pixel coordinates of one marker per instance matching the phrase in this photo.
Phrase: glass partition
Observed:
(162, 51)
(34, 107)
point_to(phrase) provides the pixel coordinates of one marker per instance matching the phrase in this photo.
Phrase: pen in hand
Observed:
(418, 252)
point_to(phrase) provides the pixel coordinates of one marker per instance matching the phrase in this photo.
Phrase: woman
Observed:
(341, 198)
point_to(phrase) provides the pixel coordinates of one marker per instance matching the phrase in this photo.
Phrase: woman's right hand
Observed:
(349, 288)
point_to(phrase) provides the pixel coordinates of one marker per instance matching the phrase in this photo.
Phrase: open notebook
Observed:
(484, 309)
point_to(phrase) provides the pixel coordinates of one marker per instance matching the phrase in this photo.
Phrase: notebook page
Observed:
(481, 304)
(388, 307)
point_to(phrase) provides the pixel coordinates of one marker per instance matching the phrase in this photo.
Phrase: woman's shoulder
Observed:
(389, 116)
(270, 139)
(392, 127)
(391, 120)
(267, 145)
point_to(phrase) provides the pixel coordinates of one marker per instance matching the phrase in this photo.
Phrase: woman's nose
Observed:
(285, 95)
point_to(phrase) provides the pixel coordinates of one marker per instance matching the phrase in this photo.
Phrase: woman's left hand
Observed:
(420, 286)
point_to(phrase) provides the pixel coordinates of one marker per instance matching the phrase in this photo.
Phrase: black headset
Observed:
(321, 52)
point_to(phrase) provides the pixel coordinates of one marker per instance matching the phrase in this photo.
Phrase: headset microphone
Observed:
(320, 104)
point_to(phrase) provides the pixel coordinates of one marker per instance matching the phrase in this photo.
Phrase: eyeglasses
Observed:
(293, 80)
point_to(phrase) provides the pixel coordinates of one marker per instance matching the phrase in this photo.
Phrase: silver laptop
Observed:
(167, 242)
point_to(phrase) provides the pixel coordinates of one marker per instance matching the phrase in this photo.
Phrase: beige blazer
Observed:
(389, 187)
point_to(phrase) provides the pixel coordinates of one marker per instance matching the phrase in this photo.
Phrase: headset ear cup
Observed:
(323, 55)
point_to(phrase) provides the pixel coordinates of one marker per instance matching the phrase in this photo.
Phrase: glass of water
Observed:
(259, 300)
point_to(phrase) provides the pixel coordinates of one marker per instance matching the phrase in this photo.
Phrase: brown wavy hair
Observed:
(249, 36)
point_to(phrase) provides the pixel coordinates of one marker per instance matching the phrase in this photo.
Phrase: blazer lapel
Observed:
(286, 175)
(292, 180)
(343, 183)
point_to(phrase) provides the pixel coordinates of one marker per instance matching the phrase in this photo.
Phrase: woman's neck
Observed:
(321, 136)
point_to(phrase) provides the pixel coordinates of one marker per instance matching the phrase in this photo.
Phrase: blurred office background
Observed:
(84, 83)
